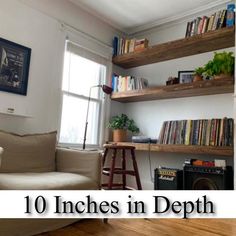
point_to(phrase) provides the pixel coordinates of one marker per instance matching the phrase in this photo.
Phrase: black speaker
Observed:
(168, 179)
(207, 178)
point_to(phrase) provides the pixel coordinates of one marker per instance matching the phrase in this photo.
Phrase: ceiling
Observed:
(132, 16)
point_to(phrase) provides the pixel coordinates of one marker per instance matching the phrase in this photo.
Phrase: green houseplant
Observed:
(120, 124)
(198, 74)
(221, 66)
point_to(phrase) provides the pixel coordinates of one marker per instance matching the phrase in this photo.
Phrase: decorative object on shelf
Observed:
(198, 74)
(222, 66)
(172, 80)
(141, 139)
(14, 67)
(186, 76)
(107, 90)
(120, 125)
(140, 44)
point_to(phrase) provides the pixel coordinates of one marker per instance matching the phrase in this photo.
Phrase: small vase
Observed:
(119, 135)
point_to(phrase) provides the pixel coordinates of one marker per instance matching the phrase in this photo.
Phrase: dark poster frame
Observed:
(14, 67)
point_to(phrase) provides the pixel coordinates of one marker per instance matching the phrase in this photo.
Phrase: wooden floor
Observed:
(149, 227)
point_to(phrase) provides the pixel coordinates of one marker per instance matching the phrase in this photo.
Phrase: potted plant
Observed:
(222, 66)
(120, 125)
(198, 74)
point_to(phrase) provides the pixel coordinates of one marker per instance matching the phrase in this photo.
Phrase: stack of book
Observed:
(123, 45)
(126, 83)
(214, 132)
(216, 21)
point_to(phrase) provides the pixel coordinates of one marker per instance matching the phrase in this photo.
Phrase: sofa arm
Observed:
(1, 152)
(87, 163)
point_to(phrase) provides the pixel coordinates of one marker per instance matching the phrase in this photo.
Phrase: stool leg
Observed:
(105, 220)
(104, 157)
(136, 170)
(113, 162)
(123, 168)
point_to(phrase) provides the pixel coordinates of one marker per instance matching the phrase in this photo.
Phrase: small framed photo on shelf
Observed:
(186, 76)
(14, 67)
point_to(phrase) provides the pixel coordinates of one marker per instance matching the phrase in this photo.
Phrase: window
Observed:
(82, 70)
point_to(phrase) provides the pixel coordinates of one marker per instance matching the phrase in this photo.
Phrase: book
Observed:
(193, 27)
(200, 25)
(132, 45)
(222, 123)
(113, 82)
(167, 130)
(198, 19)
(222, 21)
(195, 135)
(200, 132)
(205, 25)
(188, 28)
(126, 47)
(216, 19)
(230, 15)
(204, 131)
(231, 132)
(188, 132)
(115, 46)
(212, 133)
(211, 21)
(162, 132)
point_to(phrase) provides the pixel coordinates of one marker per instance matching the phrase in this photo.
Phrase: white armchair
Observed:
(32, 162)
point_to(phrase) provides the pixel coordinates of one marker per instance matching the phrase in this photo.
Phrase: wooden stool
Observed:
(110, 171)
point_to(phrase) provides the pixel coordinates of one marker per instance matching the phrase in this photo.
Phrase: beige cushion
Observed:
(28, 153)
(46, 181)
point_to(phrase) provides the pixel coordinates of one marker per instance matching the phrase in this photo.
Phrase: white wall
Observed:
(150, 115)
(66, 11)
(41, 32)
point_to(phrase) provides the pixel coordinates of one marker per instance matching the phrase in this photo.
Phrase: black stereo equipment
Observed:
(168, 179)
(207, 178)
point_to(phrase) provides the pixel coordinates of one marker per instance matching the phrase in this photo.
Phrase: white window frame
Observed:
(100, 49)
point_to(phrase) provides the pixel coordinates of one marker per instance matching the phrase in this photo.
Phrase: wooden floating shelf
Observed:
(187, 149)
(210, 41)
(199, 88)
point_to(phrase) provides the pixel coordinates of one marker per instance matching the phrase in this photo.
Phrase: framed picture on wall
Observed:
(14, 67)
(186, 76)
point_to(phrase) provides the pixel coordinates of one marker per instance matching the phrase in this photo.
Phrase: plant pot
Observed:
(119, 135)
(223, 76)
(197, 78)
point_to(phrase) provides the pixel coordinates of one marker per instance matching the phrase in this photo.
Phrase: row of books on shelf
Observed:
(124, 45)
(212, 132)
(216, 21)
(126, 83)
